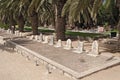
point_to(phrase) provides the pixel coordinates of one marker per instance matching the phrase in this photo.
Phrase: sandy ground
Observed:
(14, 66)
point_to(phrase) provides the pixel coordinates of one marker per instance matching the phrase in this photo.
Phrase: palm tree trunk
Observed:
(34, 22)
(60, 28)
(21, 23)
(119, 30)
(118, 26)
(12, 24)
(60, 21)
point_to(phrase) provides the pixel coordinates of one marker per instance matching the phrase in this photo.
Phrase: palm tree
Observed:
(118, 5)
(41, 7)
(36, 11)
(33, 15)
(81, 9)
(7, 13)
(56, 10)
(14, 13)
(46, 7)
(18, 14)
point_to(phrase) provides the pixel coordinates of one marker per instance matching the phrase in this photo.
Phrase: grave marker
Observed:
(95, 49)
(41, 37)
(51, 42)
(68, 45)
(45, 39)
(59, 43)
(80, 47)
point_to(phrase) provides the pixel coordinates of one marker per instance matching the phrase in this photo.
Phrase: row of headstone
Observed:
(80, 49)
(41, 38)
(17, 33)
(68, 46)
(21, 34)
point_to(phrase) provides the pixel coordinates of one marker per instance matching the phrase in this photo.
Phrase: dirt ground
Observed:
(14, 66)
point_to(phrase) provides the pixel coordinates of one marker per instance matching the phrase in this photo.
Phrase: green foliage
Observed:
(106, 24)
(87, 8)
(92, 35)
(40, 30)
(108, 13)
(83, 34)
(5, 26)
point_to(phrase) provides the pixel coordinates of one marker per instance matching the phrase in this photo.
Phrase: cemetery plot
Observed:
(80, 64)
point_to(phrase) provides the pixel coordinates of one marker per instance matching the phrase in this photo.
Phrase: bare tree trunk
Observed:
(119, 31)
(34, 22)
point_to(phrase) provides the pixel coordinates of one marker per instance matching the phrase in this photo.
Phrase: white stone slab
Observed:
(51, 42)
(32, 37)
(68, 45)
(8, 31)
(59, 43)
(80, 47)
(94, 50)
(36, 38)
(40, 37)
(45, 39)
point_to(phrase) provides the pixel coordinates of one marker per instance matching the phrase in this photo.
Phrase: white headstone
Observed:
(80, 47)
(24, 34)
(95, 49)
(20, 34)
(36, 37)
(8, 31)
(45, 39)
(17, 33)
(31, 37)
(68, 45)
(40, 37)
(59, 43)
(51, 42)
